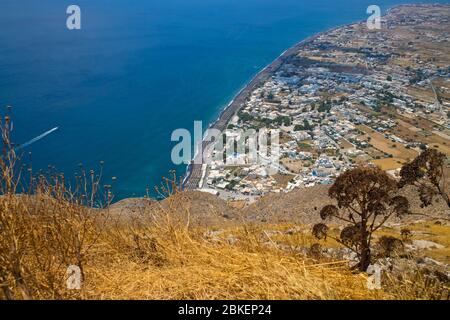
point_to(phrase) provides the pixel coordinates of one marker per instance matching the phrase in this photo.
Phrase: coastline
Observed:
(194, 170)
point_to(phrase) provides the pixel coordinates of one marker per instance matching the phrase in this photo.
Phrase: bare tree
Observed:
(427, 173)
(366, 199)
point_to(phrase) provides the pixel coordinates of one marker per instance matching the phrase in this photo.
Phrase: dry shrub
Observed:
(366, 199)
(390, 246)
(427, 173)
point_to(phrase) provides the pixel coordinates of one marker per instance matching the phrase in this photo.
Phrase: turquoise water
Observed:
(138, 70)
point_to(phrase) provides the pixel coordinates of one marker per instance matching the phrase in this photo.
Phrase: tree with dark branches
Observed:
(366, 198)
(427, 173)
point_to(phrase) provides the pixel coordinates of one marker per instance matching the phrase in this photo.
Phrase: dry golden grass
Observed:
(185, 265)
(156, 254)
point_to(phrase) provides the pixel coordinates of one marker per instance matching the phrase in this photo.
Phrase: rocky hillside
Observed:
(301, 206)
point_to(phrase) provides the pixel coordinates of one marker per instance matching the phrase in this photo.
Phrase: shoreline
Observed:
(194, 172)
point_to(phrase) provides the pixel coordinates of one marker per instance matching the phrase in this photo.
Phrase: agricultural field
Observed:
(389, 163)
(344, 144)
(434, 139)
(387, 146)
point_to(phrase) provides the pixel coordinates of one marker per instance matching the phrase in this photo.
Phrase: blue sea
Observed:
(139, 69)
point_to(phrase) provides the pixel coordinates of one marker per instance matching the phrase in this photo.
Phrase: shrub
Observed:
(426, 172)
(366, 199)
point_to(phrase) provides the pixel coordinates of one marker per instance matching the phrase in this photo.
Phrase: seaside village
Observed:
(349, 96)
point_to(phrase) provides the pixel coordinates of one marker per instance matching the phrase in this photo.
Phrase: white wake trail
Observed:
(26, 144)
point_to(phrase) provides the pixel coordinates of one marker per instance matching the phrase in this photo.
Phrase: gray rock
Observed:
(232, 240)
(423, 244)
(430, 261)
